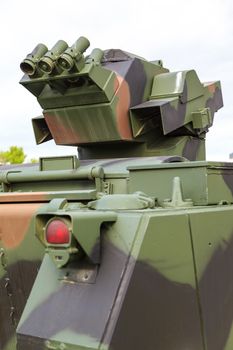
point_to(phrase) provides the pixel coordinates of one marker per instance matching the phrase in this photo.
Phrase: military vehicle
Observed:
(129, 244)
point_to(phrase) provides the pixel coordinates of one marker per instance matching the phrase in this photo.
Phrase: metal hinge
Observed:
(107, 187)
(3, 258)
(7, 285)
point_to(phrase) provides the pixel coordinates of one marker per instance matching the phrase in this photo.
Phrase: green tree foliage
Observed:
(34, 160)
(15, 155)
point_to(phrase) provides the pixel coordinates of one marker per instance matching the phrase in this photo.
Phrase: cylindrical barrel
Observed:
(81, 45)
(29, 64)
(47, 63)
(12, 176)
(67, 59)
(57, 49)
(95, 56)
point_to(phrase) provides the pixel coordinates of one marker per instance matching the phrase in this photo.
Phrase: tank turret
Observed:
(118, 99)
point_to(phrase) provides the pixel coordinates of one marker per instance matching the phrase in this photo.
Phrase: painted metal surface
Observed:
(130, 245)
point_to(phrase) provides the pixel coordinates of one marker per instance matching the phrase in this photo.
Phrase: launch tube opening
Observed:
(28, 67)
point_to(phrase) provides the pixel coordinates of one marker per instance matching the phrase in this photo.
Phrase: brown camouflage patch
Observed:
(122, 110)
(14, 222)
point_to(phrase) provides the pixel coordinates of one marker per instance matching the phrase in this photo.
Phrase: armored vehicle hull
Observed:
(130, 244)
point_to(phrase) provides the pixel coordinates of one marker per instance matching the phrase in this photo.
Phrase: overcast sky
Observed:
(185, 34)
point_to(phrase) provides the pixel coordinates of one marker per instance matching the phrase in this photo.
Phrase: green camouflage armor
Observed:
(129, 245)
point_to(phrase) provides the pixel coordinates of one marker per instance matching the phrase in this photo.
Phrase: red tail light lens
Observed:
(57, 232)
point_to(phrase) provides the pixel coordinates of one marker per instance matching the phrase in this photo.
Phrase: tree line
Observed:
(14, 155)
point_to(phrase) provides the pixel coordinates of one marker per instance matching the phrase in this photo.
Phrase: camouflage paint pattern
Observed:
(148, 263)
(20, 261)
(125, 100)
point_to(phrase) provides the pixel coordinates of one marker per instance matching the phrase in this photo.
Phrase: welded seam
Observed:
(197, 286)
(128, 270)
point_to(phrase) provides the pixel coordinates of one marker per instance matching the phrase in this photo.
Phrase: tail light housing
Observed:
(71, 235)
(57, 231)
